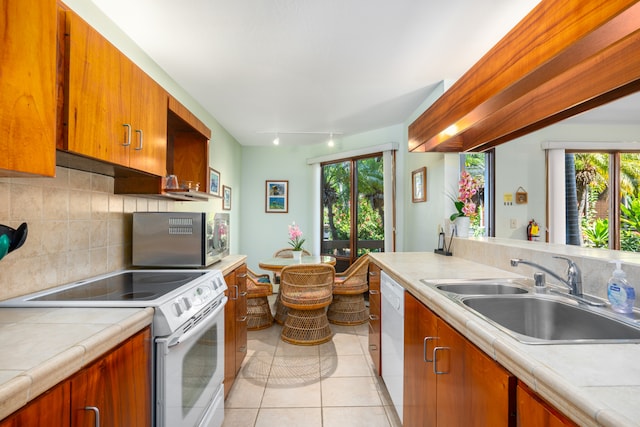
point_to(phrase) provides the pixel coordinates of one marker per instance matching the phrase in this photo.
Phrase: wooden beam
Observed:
(555, 38)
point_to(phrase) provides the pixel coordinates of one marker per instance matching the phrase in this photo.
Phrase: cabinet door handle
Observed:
(236, 296)
(373, 292)
(425, 350)
(96, 411)
(374, 317)
(242, 276)
(373, 347)
(127, 139)
(140, 139)
(435, 360)
(373, 273)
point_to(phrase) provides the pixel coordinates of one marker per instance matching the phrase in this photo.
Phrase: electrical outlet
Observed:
(513, 223)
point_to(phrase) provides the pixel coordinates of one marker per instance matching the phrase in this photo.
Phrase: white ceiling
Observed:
(299, 67)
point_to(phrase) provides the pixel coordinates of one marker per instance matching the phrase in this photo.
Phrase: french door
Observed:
(352, 208)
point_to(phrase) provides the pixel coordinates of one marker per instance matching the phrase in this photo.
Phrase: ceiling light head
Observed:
(330, 143)
(451, 130)
(276, 140)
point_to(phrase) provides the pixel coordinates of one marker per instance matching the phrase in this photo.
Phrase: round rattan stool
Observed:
(348, 310)
(258, 314)
(306, 327)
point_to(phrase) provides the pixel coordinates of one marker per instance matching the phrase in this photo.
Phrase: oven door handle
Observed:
(173, 340)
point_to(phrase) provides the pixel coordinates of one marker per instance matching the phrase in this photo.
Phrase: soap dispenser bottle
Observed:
(620, 293)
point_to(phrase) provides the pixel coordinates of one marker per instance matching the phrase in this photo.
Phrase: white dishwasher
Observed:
(392, 341)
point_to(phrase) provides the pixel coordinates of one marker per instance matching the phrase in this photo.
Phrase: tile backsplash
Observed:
(77, 229)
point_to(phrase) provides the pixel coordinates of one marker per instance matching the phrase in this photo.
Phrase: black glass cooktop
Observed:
(127, 286)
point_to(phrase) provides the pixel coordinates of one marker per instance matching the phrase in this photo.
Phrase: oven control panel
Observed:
(189, 302)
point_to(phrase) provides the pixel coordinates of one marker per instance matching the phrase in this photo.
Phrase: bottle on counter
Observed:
(620, 293)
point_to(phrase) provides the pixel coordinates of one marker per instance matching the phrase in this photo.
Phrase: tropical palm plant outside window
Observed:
(352, 208)
(598, 221)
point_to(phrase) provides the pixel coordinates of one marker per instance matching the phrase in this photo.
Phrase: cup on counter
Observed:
(171, 182)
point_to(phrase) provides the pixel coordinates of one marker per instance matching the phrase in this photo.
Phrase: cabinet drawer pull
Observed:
(243, 294)
(373, 347)
(242, 276)
(425, 350)
(140, 139)
(96, 411)
(373, 292)
(374, 317)
(373, 273)
(435, 360)
(243, 318)
(127, 139)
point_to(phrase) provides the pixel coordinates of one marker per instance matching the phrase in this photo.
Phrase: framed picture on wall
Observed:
(214, 182)
(419, 185)
(226, 198)
(276, 196)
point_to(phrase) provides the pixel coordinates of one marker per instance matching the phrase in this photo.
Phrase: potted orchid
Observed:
(296, 240)
(465, 206)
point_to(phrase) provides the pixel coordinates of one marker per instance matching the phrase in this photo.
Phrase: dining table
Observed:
(277, 264)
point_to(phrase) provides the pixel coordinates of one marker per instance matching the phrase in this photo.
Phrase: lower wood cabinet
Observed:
(235, 325)
(50, 408)
(535, 412)
(447, 380)
(374, 315)
(117, 386)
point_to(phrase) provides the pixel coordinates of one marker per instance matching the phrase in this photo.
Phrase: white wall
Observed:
(263, 233)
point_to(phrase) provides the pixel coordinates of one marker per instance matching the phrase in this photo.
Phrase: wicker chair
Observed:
(348, 306)
(259, 287)
(280, 310)
(306, 290)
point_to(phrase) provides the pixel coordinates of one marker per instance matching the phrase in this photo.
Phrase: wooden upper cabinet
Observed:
(149, 116)
(115, 112)
(28, 31)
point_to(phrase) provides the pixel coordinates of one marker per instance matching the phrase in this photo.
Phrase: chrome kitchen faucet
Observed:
(573, 281)
(574, 275)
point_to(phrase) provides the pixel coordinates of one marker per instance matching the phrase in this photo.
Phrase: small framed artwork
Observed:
(214, 182)
(226, 198)
(419, 185)
(276, 196)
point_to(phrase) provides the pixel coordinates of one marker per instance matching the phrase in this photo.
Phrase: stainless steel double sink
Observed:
(538, 318)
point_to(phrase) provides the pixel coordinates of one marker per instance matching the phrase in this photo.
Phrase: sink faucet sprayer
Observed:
(574, 276)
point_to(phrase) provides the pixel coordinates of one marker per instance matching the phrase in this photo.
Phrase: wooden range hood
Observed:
(563, 58)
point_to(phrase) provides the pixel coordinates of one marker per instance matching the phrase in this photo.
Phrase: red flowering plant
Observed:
(467, 188)
(295, 235)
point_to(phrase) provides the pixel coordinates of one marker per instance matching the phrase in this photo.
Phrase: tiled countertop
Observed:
(43, 346)
(594, 384)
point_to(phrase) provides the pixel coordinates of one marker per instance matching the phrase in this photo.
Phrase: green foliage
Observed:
(596, 233)
(337, 199)
(630, 214)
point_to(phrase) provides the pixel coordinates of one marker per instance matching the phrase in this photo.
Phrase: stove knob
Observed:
(177, 308)
(187, 303)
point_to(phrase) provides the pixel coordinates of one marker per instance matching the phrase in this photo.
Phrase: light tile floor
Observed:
(328, 385)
